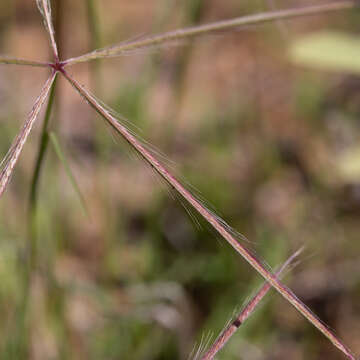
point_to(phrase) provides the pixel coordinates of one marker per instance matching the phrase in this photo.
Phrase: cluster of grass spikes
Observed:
(60, 67)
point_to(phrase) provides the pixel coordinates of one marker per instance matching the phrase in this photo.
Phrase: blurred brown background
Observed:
(264, 141)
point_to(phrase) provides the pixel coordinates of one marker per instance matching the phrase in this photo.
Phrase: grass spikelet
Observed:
(45, 10)
(16, 61)
(19, 142)
(249, 308)
(173, 36)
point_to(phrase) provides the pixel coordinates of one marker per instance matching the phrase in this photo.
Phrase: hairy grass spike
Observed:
(212, 219)
(45, 10)
(166, 38)
(20, 140)
(16, 61)
(249, 308)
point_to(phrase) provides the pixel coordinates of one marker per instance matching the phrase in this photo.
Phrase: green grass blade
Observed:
(44, 140)
(56, 144)
(43, 146)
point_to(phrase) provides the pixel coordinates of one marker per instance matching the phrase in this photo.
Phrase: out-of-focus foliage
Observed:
(329, 50)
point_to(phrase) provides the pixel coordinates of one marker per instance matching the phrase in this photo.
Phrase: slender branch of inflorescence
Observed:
(211, 218)
(15, 61)
(19, 142)
(245, 313)
(45, 10)
(169, 37)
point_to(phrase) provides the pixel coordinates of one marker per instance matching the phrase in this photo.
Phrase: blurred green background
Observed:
(266, 131)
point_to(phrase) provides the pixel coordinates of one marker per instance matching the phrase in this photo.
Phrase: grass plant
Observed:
(61, 68)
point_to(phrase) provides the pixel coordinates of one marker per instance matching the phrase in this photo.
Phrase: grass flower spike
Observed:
(61, 67)
(10, 160)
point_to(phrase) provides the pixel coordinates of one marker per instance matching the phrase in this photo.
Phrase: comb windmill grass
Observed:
(58, 66)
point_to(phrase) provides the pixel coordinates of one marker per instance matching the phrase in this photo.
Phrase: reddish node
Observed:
(58, 66)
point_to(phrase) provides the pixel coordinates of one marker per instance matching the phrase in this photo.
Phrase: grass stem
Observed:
(43, 146)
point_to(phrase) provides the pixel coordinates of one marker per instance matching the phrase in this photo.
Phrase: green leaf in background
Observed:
(348, 164)
(334, 51)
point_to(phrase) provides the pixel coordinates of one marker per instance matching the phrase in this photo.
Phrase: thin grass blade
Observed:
(60, 154)
(13, 155)
(217, 223)
(173, 36)
(45, 10)
(248, 309)
(16, 61)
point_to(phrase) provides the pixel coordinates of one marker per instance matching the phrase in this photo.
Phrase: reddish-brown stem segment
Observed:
(230, 330)
(210, 217)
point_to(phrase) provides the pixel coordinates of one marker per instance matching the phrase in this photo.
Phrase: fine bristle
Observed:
(45, 10)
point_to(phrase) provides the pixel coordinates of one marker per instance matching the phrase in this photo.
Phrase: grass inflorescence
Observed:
(59, 67)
